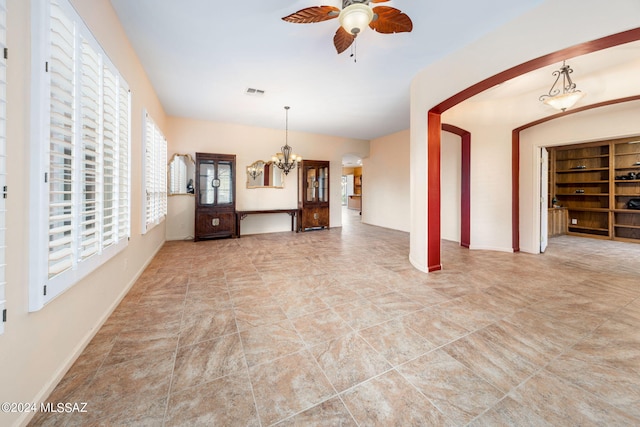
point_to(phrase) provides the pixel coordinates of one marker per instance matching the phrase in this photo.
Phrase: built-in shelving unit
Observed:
(595, 182)
(626, 186)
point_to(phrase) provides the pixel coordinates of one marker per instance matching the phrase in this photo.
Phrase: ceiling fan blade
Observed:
(343, 39)
(390, 20)
(313, 14)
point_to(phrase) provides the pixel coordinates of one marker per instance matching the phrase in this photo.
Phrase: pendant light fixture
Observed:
(285, 159)
(564, 98)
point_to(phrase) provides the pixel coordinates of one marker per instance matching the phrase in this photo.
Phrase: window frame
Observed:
(43, 286)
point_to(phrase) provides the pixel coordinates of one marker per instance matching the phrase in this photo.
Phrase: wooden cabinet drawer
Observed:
(315, 217)
(211, 224)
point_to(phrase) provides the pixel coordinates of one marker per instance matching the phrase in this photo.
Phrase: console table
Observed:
(240, 215)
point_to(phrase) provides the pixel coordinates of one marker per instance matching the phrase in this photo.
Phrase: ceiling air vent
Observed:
(254, 92)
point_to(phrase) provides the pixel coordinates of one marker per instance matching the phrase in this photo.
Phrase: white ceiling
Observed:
(202, 55)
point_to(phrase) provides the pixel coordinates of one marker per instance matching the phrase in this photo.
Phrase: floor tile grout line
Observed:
(175, 355)
(564, 351)
(247, 368)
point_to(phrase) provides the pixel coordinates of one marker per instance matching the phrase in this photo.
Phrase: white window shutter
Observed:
(91, 159)
(124, 113)
(149, 168)
(81, 211)
(61, 145)
(155, 167)
(109, 190)
(3, 158)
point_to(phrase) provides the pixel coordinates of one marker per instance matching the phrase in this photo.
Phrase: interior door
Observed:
(544, 199)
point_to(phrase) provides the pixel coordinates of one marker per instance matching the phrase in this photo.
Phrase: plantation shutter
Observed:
(61, 144)
(91, 162)
(160, 174)
(149, 169)
(3, 158)
(123, 161)
(155, 180)
(109, 191)
(81, 127)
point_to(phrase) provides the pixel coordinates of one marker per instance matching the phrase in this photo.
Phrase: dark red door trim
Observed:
(433, 132)
(465, 184)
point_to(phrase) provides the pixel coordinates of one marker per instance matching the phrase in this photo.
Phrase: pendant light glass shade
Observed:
(564, 101)
(355, 18)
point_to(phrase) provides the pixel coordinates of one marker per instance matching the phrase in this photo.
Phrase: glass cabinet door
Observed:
(312, 184)
(225, 188)
(207, 178)
(323, 184)
(216, 182)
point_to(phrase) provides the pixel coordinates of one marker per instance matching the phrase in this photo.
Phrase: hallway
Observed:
(336, 328)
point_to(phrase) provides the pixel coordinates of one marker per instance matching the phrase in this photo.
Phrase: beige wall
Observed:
(37, 348)
(249, 144)
(385, 187)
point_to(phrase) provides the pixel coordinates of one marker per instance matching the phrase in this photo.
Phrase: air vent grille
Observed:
(254, 91)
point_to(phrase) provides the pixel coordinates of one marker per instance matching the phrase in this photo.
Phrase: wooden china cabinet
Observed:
(215, 196)
(313, 194)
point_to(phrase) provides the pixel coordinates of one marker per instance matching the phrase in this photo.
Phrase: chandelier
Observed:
(568, 96)
(285, 159)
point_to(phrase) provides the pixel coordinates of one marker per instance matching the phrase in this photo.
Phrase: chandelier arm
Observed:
(553, 91)
(571, 86)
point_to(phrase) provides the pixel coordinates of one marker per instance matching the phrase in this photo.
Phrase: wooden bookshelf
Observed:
(594, 182)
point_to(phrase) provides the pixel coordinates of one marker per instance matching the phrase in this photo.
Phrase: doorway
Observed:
(352, 193)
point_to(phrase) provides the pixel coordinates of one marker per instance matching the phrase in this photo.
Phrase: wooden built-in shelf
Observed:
(583, 194)
(627, 226)
(594, 167)
(581, 227)
(582, 170)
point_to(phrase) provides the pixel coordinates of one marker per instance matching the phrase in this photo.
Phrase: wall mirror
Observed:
(182, 172)
(261, 174)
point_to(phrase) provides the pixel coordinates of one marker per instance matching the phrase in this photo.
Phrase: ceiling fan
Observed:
(354, 16)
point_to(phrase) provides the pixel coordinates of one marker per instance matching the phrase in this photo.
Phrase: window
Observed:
(155, 175)
(80, 192)
(3, 158)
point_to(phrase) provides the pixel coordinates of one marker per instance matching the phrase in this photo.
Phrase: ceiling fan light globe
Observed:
(354, 18)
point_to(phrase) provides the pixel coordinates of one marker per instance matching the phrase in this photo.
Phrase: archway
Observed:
(434, 138)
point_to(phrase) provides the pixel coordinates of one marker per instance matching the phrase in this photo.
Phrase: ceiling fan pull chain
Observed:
(354, 51)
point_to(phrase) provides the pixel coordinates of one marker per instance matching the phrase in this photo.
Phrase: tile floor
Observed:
(335, 328)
